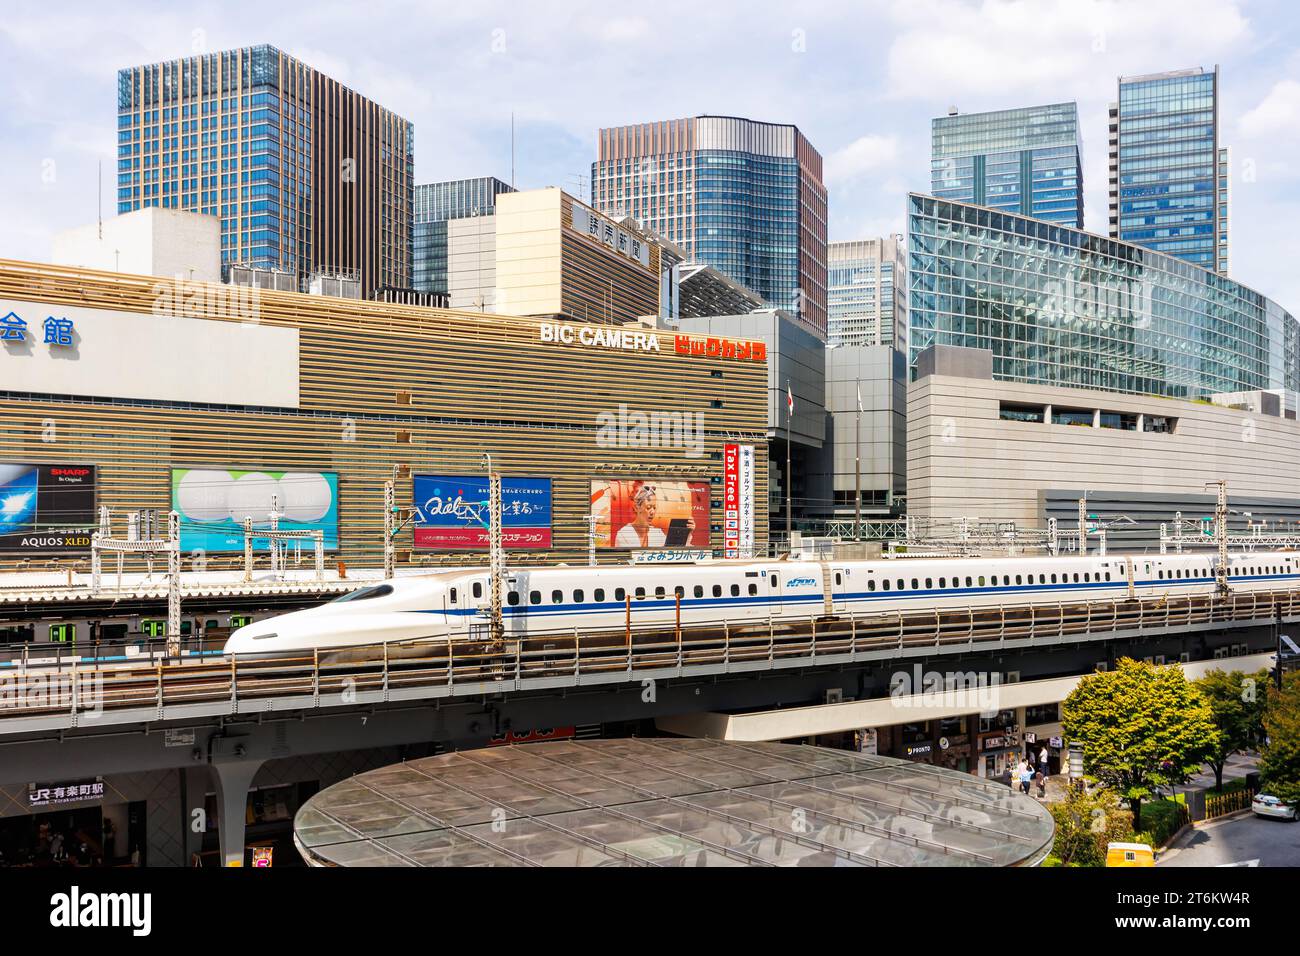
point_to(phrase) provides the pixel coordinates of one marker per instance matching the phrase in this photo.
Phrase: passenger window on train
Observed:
(660, 592)
(557, 597)
(620, 594)
(717, 590)
(838, 579)
(1053, 578)
(478, 589)
(640, 594)
(699, 590)
(884, 584)
(452, 594)
(943, 582)
(929, 583)
(679, 591)
(774, 580)
(512, 598)
(735, 590)
(968, 580)
(871, 584)
(1076, 577)
(598, 595)
(578, 596)
(916, 585)
(1087, 575)
(753, 589)
(534, 597)
(1107, 575)
(1017, 579)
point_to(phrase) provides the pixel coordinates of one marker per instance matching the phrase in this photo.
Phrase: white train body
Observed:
(455, 604)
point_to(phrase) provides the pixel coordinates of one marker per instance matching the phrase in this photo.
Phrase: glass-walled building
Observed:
(304, 174)
(1060, 306)
(1027, 161)
(1168, 169)
(867, 292)
(744, 197)
(435, 204)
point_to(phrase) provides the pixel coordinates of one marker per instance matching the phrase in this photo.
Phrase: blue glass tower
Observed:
(743, 196)
(1026, 161)
(1166, 190)
(435, 203)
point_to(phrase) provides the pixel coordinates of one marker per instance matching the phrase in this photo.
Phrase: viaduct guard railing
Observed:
(32, 687)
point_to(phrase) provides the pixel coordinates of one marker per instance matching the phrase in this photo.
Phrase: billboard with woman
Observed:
(650, 513)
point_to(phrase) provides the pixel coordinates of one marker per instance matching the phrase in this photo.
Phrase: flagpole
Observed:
(857, 464)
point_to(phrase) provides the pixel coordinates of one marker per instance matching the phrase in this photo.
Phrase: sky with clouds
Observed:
(861, 79)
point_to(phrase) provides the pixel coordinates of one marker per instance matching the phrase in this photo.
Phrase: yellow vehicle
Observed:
(1130, 854)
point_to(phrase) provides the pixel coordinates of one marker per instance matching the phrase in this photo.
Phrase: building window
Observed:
(1011, 412)
(1072, 416)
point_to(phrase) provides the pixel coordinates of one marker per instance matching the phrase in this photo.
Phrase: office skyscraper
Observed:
(305, 174)
(742, 196)
(435, 204)
(1026, 161)
(867, 292)
(1168, 169)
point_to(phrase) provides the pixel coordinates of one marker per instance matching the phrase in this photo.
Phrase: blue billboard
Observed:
(451, 512)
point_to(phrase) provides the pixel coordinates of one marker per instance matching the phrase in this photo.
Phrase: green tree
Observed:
(1086, 823)
(1279, 763)
(1140, 726)
(1237, 702)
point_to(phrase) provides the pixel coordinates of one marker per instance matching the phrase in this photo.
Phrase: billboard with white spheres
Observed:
(213, 503)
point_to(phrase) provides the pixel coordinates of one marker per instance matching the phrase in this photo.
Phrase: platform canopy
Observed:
(669, 802)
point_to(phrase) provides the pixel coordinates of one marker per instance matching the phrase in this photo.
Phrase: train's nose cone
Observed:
(246, 639)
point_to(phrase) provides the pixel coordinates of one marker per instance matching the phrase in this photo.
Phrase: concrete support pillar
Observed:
(233, 778)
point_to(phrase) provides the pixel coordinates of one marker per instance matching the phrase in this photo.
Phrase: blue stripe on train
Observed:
(537, 610)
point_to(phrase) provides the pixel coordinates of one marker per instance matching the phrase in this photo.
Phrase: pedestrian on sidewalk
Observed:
(1042, 761)
(1040, 778)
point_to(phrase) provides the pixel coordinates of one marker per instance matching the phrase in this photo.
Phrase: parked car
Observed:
(1267, 805)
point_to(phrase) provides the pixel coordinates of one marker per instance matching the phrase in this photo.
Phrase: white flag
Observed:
(789, 400)
(859, 396)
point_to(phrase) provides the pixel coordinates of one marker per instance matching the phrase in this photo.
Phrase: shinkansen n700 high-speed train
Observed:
(456, 604)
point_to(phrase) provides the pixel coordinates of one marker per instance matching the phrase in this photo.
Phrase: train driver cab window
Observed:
(717, 590)
(512, 598)
(478, 589)
(534, 597)
(735, 590)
